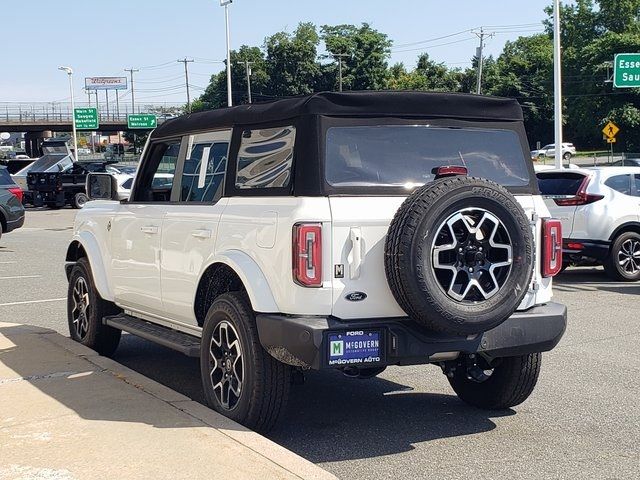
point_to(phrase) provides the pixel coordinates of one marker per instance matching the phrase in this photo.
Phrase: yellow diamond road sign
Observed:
(610, 130)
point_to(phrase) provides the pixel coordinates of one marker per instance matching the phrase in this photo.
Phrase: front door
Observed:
(137, 232)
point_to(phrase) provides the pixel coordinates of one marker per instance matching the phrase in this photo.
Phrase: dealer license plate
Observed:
(355, 347)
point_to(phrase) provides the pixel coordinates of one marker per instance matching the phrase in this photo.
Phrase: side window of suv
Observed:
(204, 167)
(265, 158)
(158, 171)
(620, 183)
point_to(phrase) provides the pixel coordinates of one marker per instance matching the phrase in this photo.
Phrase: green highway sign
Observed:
(142, 120)
(86, 118)
(626, 70)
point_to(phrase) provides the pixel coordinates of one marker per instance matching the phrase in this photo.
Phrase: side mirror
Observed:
(101, 186)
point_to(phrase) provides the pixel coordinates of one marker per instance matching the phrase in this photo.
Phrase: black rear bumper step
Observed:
(179, 341)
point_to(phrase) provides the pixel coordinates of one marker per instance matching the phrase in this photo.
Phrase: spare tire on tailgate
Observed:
(459, 255)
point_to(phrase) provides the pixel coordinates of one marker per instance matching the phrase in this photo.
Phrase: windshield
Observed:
(405, 156)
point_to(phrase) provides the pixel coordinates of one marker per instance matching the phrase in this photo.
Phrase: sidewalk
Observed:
(68, 413)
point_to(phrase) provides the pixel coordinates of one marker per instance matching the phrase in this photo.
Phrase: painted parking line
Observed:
(8, 263)
(32, 301)
(20, 276)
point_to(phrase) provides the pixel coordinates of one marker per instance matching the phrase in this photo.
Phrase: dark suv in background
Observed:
(11, 209)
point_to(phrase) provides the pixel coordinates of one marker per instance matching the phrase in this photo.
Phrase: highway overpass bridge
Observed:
(41, 120)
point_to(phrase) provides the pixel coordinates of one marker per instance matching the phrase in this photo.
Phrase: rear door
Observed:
(190, 224)
(558, 189)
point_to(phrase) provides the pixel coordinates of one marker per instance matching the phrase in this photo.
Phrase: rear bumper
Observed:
(15, 223)
(596, 249)
(303, 341)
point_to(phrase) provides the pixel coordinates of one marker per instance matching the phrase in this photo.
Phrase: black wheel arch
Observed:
(625, 227)
(217, 279)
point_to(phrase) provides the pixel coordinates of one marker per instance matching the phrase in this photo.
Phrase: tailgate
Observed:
(359, 230)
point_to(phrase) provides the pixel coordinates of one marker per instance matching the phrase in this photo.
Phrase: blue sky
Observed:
(103, 38)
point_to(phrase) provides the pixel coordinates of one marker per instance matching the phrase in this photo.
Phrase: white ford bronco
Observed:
(347, 231)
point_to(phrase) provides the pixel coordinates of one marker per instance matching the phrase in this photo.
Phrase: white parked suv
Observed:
(346, 231)
(549, 151)
(600, 212)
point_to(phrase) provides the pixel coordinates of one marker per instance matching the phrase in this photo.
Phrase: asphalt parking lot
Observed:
(583, 420)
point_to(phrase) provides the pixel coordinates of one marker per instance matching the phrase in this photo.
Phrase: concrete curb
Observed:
(264, 447)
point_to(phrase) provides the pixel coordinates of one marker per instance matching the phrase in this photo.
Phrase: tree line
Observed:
(593, 31)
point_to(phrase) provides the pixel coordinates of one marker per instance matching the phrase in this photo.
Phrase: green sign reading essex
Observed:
(626, 70)
(142, 120)
(86, 118)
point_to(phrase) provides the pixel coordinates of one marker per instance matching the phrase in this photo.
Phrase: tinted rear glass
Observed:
(405, 155)
(5, 178)
(559, 183)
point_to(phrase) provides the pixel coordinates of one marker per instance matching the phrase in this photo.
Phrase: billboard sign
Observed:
(105, 83)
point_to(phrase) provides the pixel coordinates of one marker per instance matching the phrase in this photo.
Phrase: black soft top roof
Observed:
(351, 104)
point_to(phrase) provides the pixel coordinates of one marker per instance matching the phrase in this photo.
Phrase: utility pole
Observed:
(247, 67)
(481, 35)
(339, 56)
(133, 100)
(186, 80)
(225, 4)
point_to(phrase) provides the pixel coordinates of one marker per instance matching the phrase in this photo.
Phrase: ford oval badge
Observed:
(355, 296)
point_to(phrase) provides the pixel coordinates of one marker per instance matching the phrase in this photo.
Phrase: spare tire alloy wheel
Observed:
(459, 255)
(227, 365)
(472, 255)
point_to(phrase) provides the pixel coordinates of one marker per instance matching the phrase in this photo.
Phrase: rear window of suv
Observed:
(559, 183)
(406, 155)
(5, 178)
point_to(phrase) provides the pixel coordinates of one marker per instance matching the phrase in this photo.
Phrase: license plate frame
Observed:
(355, 348)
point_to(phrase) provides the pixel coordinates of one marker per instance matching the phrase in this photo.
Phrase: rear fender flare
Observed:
(252, 277)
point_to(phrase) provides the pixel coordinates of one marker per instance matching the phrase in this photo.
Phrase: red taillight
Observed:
(450, 171)
(17, 192)
(307, 254)
(552, 247)
(581, 197)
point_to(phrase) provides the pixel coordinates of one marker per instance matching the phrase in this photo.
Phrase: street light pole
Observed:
(225, 4)
(69, 71)
(340, 55)
(557, 84)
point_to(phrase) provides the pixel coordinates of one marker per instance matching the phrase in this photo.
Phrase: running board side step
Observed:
(181, 342)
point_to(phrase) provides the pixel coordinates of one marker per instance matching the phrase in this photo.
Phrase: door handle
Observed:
(201, 234)
(355, 257)
(149, 229)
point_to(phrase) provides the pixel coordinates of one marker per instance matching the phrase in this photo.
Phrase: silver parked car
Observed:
(600, 212)
(549, 151)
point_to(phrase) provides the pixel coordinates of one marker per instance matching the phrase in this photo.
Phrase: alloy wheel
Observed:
(472, 255)
(227, 365)
(81, 304)
(629, 256)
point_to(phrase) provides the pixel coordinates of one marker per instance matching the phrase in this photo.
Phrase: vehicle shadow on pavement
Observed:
(590, 279)
(331, 417)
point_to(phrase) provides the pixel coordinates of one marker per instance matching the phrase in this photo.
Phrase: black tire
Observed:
(630, 271)
(264, 384)
(88, 328)
(510, 383)
(417, 284)
(1, 231)
(567, 156)
(79, 200)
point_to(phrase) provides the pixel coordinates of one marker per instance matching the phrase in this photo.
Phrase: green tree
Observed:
(365, 65)
(291, 61)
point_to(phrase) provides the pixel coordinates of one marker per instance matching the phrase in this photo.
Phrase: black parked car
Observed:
(11, 209)
(67, 187)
